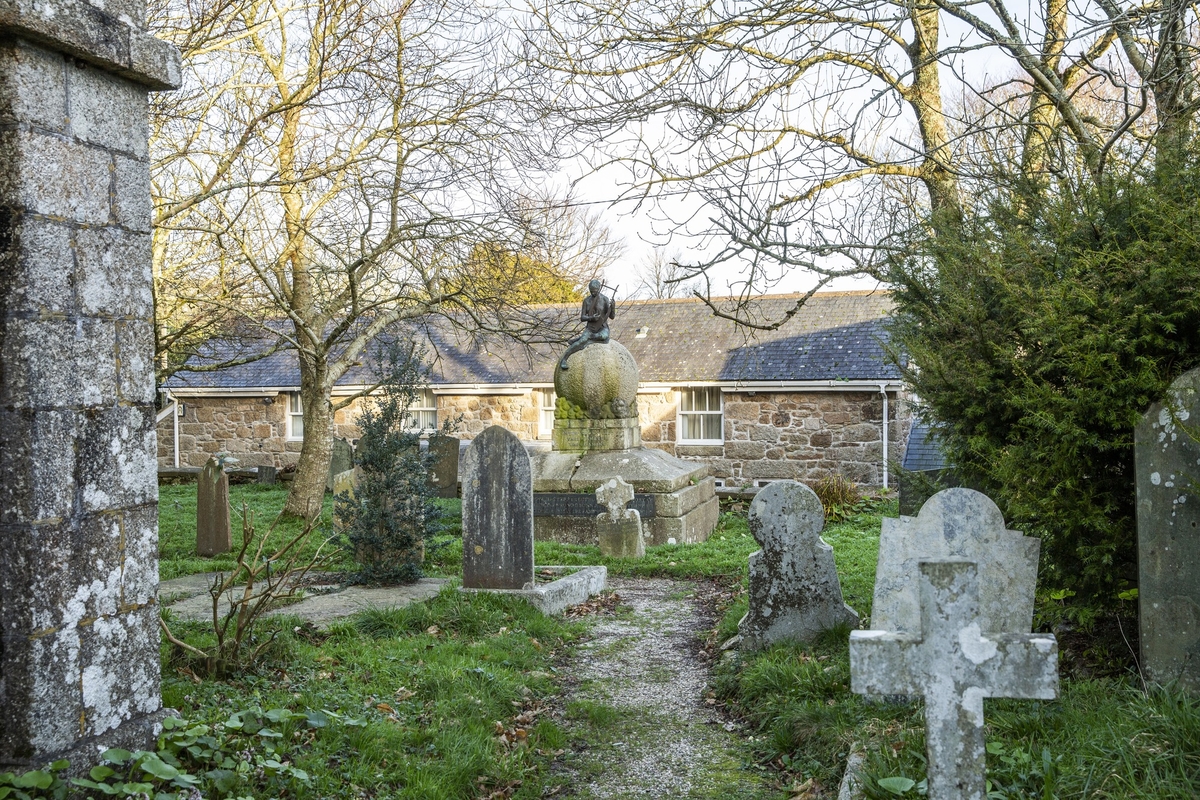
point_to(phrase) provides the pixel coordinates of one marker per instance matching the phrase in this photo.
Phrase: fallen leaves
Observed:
(495, 791)
(603, 605)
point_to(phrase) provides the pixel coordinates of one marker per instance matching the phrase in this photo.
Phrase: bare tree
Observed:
(827, 119)
(661, 276)
(331, 165)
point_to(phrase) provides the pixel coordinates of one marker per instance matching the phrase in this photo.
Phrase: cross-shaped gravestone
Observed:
(956, 523)
(619, 530)
(794, 588)
(953, 665)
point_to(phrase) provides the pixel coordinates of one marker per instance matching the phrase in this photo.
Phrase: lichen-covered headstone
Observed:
(214, 534)
(268, 475)
(1167, 459)
(794, 589)
(953, 663)
(443, 473)
(497, 512)
(345, 483)
(619, 529)
(956, 523)
(341, 460)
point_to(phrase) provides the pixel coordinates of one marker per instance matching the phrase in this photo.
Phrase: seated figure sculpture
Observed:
(597, 311)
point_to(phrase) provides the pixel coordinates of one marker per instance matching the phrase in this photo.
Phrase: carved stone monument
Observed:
(620, 528)
(1167, 458)
(597, 437)
(214, 534)
(497, 513)
(953, 663)
(79, 656)
(956, 523)
(794, 588)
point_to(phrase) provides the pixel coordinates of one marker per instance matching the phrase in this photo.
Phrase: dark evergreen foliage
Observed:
(391, 517)
(1038, 335)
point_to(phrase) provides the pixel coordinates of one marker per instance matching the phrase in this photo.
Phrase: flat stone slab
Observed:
(569, 590)
(189, 600)
(649, 470)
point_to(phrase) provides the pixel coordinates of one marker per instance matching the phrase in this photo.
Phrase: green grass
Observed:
(430, 682)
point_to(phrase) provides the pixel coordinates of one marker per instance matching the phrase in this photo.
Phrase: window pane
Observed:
(297, 426)
(294, 402)
(712, 426)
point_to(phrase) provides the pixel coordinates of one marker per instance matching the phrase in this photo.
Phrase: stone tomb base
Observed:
(576, 585)
(676, 498)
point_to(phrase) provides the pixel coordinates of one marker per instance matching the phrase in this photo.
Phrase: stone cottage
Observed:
(815, 397)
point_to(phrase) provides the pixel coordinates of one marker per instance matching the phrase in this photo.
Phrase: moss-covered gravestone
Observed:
(1167, 459)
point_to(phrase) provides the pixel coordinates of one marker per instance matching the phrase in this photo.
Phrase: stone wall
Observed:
(796, 435)
(803, 436)
(79, 658)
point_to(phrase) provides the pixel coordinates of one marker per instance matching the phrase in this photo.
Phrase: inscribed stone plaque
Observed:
(575, 504)
(497, 512)
(268, 475)
(213, 533)
(443, 473)
(956, 523)
(1167, 460)
(794, 588)
(342, 460)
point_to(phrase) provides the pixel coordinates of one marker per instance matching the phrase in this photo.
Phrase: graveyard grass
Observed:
(473, 661)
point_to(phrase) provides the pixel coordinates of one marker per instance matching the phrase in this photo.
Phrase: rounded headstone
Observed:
(601, 379)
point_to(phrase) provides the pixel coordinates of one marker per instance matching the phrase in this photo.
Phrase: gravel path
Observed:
(638, 721)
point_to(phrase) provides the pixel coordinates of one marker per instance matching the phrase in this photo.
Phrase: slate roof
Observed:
(835, 336)
(922, 452)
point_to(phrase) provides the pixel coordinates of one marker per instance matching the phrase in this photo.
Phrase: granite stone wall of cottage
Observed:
(768, 435)
(797, 435)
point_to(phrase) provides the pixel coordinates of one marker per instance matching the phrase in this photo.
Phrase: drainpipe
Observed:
(175, 400)
(883, 391)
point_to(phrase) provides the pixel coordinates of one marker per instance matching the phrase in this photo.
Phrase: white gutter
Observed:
(174, 411)
(883, 391)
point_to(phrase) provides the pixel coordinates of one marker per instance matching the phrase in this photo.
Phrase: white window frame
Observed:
(295, 413)
(681, 413)
(546, 413)
(425, 408)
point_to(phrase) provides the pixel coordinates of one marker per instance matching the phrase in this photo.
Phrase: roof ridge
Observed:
(693, 299)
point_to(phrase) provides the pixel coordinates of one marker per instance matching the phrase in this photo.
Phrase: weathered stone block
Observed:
(119, 667)
(107, 110)
(694, 526)
(78, 371)
(106, 257)
(745, 450)
(67, 174)
(139, 566)
(40, 455)
(118, 445)
(135, 360)
(678, 503)
(794, 588)
(32, 86)
(40, 257)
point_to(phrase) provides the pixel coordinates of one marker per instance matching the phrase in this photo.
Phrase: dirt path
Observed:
(638, 723)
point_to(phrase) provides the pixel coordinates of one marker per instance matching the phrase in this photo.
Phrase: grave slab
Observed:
(794, 588)
(1167, 466)
(953, 664)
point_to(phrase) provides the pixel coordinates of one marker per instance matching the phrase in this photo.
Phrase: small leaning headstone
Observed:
(267, 475)
(214, 534)
(953, 664)
(794, 588)
(443, 473)
(497, 512)
(619, 528)
(1167, 465)
(956, 523)
(341, 460)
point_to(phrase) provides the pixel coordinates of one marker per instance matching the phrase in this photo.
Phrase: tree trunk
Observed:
(308, 487)
(925, 97)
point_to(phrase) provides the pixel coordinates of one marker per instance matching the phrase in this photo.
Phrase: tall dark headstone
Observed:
(497, 512)
(1167, 459)
(214, 533)
(79, 656)
(444, 473)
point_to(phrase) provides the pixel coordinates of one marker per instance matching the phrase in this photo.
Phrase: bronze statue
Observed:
(597, 311)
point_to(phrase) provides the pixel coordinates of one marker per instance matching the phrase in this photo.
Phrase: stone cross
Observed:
(619, 530)
(956, 523)
(497, 512)
(794, 588)
(1167, 467)
(953, 665)
(214, 533)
